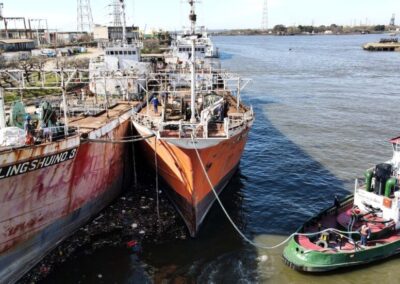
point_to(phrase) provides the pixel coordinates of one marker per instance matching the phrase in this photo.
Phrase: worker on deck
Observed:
(365, 232)
(155, 103)
(336, 203)
(28, 127)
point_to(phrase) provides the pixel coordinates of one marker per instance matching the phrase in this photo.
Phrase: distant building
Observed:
(8, 45)
(110, 34)
(63, 38)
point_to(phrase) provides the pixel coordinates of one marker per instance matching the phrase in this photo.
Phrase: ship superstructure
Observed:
(119, 59)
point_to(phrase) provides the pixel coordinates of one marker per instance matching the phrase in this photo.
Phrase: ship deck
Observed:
(90, 123)
(339, 243)
(216, 129)
(83, 124)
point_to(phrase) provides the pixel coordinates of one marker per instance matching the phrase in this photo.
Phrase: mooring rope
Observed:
(261, 246)
(120, 141)
(134, 159)
(156, 167)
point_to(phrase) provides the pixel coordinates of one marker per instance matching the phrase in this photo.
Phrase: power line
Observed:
(264, 24)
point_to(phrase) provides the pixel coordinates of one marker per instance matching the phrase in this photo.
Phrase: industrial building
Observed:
(114, 33)
(12, 45)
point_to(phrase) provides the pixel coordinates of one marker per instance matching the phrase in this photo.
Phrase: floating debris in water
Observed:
(262, 258)
(116, 226)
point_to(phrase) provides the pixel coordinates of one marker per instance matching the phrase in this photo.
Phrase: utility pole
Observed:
(84, 16)
(39, 27)
(264, 24)
(1, 11)
(393, 20)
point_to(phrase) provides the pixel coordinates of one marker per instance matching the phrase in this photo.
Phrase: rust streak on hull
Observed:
(41, 207)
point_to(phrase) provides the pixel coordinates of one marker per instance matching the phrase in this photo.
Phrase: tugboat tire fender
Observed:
(322, 243)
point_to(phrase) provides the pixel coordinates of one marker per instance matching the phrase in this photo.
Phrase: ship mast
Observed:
(193, 19)
(193, 16)
(122, 3)
(2, 111)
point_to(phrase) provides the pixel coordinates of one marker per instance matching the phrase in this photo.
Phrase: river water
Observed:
(325, 111)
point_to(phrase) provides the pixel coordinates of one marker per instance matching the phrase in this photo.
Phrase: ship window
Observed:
(111, 52)
(133, 52)
(396, 147)
(129, 52)
(125, 52)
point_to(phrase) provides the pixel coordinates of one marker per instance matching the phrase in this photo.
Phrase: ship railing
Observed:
(359, 183)
(237, 120)
(181, 129)
(146, 120)
(55, 133)
(40, 136)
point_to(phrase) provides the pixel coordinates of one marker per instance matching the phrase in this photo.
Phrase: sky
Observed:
(214, 14)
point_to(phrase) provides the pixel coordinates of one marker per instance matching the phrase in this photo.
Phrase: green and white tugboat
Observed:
(360, 229)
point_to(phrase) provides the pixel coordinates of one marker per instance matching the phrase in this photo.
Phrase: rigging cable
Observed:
(132, 139)
(134, 159)
(237, 228)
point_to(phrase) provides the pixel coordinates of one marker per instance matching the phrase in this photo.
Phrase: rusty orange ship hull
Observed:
(49, 190)
(180, 168)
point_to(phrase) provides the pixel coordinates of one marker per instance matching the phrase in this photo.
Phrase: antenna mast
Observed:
(84, 16)
(193, 16)
(264, 24)
(193, 20)
(122, 7)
